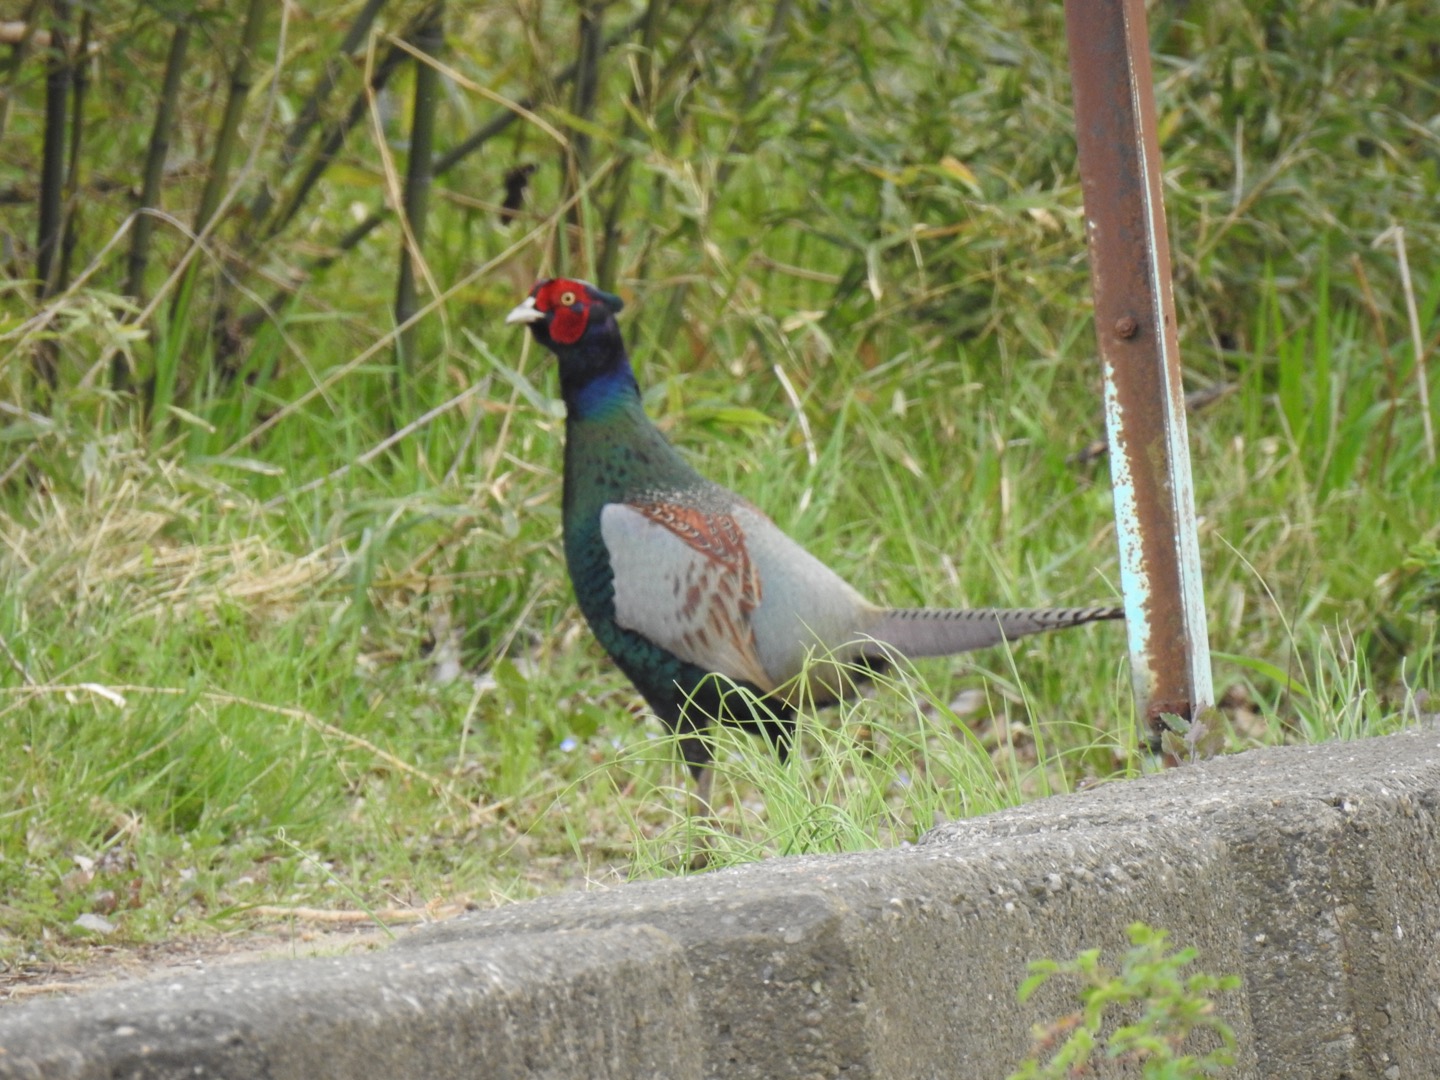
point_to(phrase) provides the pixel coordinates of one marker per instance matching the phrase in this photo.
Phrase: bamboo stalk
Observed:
(589, 44)
(79, 83)
(228, 137)
(419, 172)
(575, 154)
(443, 164)
(309, 114)
(52, 179)
(52, 162)
(754, 85)
(226, 144)
(641, 99)
(334, 139)
(155, 155)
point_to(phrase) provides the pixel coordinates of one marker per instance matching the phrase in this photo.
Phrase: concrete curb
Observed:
(531, 1005)
(1314, 872)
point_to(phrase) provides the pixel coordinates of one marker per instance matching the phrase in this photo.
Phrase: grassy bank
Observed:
(298, 638)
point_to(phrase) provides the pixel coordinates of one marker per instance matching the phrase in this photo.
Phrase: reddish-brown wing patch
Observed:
(715, 596)
(719, 538)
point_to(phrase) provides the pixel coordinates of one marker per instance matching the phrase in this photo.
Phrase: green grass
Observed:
(225, 707)
(257, 655)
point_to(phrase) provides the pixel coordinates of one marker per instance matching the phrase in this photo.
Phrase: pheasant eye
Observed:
(566, 299)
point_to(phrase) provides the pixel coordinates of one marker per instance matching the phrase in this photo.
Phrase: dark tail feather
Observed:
(915, 632)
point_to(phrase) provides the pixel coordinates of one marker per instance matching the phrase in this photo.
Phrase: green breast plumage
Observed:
(614, 455)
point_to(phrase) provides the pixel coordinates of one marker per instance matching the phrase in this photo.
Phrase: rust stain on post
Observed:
(1135, 325)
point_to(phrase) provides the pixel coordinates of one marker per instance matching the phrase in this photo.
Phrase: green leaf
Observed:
(244, 464)
(738, 416)
(1266, 669)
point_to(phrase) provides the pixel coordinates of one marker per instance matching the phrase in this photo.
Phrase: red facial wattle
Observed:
(570, 304)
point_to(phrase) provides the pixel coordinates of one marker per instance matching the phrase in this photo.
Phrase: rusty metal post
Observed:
(1135, 325)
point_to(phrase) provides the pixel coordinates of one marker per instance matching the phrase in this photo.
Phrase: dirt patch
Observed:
(84, 968)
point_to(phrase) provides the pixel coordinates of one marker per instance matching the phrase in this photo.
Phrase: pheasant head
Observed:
(569, 317)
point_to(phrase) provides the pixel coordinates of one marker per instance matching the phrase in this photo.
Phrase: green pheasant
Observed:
(692, 590)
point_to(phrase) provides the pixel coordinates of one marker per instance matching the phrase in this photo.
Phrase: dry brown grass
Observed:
(138, 533)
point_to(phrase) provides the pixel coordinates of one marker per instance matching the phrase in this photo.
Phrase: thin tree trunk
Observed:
(309, 114)
(52, 180)
(155, 156)
(429, 39)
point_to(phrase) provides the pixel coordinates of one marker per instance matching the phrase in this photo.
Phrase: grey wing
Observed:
(684, 581)
(808, 610)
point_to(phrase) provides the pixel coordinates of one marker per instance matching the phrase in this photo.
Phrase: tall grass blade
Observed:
(1417, 346)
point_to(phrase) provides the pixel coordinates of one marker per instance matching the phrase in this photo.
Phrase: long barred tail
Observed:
(915, 632)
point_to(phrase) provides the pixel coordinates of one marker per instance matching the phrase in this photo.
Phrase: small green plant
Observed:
(1171, 1008)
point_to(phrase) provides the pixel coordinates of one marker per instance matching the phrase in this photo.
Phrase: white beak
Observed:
(525, 313)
